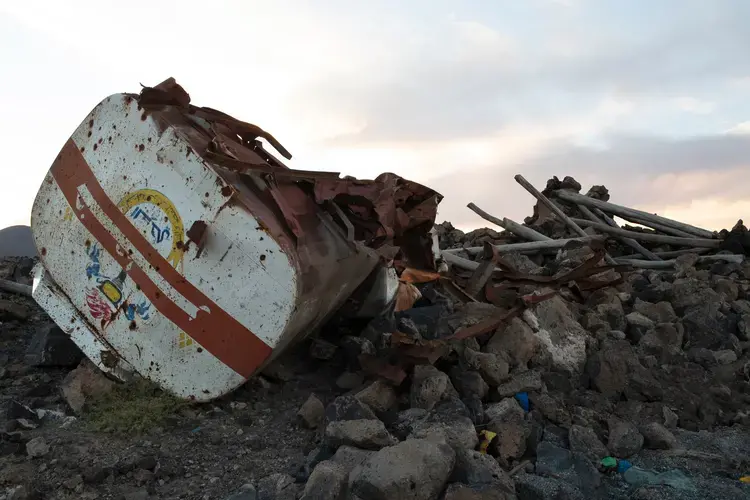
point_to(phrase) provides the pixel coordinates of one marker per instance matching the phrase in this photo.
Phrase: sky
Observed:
(650, 99)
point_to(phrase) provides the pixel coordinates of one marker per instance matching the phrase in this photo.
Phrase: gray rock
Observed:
(493, 368)
(37, 447)
(584, 440)
(139, 494)
(367, 434)
(658, 437)
(725, 357)
(429, 386)
(638, 326)
(348, 407)
(277, 487)
(690, 292)
(246, 492)
(415, 469)
(311, 413)
(475, 469)
(661, 312)
(552, 460)
(506, 419)
(562, 338)
(457, 432)
(531, 487)
(328, 481)
(379, 396)
(516, 341)
(670, 418)
(613, 314)
(350, 457)
(458, 491)
(728, 289)
(83, 383)
(51, 346)
(523, 382)
(624, 439)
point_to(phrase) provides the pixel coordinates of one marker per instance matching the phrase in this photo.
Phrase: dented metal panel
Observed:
(175, 246)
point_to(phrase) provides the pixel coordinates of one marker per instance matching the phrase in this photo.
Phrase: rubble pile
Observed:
(574, 370)
(565, 358)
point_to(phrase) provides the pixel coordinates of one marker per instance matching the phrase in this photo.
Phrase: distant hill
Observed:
(16, 241)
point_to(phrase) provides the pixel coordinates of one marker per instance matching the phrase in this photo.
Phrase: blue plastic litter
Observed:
(623, 465)
(523, 400)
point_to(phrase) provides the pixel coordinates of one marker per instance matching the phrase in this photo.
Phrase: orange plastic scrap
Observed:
(411, 275)
(406, 295)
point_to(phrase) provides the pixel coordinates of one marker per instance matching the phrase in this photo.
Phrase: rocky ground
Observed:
(653, 372)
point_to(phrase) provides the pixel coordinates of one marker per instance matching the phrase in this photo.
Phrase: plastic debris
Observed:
(609, 462)
(623, 466)
(745, 479)
(523, 400)
(638, 477)
(485, 438)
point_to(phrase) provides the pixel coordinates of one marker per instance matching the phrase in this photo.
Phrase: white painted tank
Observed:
(160, 255)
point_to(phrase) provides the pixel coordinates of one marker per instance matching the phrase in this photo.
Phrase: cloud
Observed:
(693, 105)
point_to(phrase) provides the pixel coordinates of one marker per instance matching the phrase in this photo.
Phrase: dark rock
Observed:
(416, 469)
(624, 439)
(328, 481)
(366, 434)
(476, 409)
(556, 435)
(557, 381)
(311, 413)
(97, 475)
(10, 310)
(52, 347)
(583, 440)
(612, 314)
(17, 410)
(469, 383)
(458, 491)
(246, 492)
(348, 407)
(552, 460)
(322, 349)
(313, 458)
(705, 326)
(147, 463)
(658, 437)
(661, 312)
(638, 326)
(277, 487)
(531, 487)
(350, 380)
(406, 421)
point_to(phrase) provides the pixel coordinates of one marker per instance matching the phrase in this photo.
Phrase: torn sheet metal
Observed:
(180, 246)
